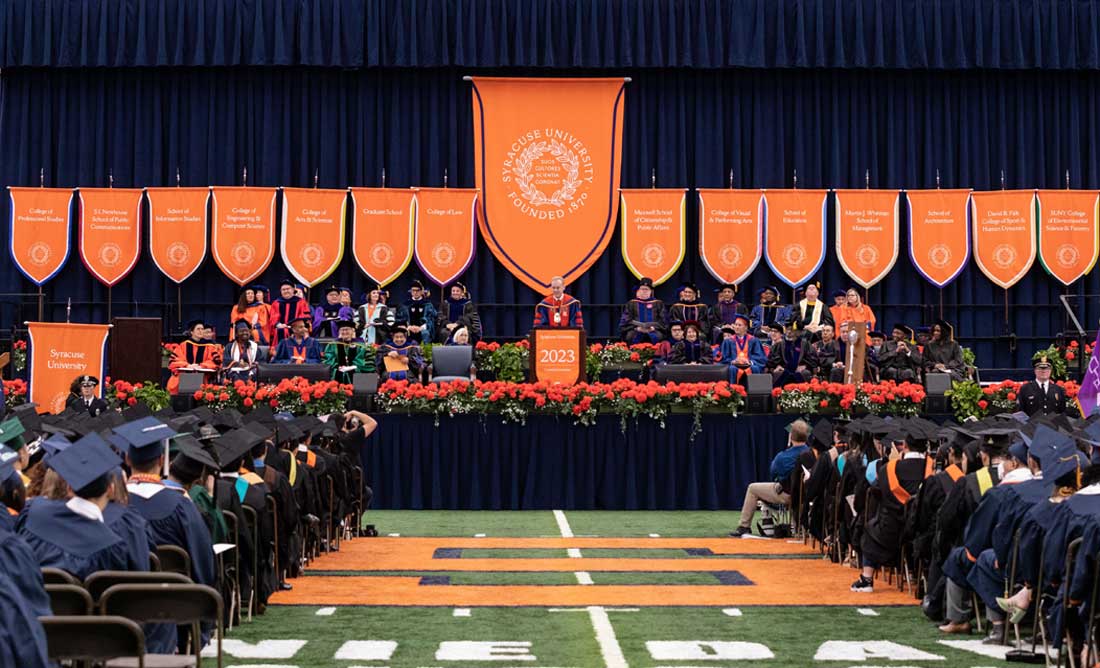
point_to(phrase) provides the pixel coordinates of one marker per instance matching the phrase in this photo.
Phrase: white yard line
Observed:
(563, 524)
(462, 612)
(326, 612)
(867, 612)
(612, 653)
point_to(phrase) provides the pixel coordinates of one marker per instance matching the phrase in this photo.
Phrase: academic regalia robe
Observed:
(62, 538)
(132, 528)
(283, 312)
(1076, 517)
(461, 312)
(174, 520)
(695, 311)
(279, 487)
(767, 314)
(564, 312)
(883, 531)
(947, 353)
(293, 351)
(93, 407)
(326, 316)
(638, 312)
(787, 354)
(339, 354)
(819, 361)
(409, 350)
(724, 313)
(932, 496)
(234, 353)
(373, 320)
(419, 313)
(206, 354)
(747, 348)
(226, 500)
(893, 364)
(251, 491)
(805, 314)
(687, 352)
(256, 315)
(861, 313)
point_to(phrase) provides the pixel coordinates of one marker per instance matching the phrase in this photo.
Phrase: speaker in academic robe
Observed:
(936, 386)
(759, 393)
(135, 350)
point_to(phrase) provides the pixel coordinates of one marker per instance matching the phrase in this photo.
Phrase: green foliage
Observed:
(968, 357)
(1056, 359)
(509, 362)
(965, 396)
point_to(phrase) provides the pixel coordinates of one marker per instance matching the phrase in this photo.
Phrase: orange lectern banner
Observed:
(177, 230)
(382, 231)
(244, 230)
(653, 232)
(59, 352)
(110, 231)
(445, 230)
(1068, 245)
(866, 233)
(794, 233)
(1004, 234)
(547, 156)
(939, 233)
(313, 232)
(40, 231)
(731, 232)
(558, 355)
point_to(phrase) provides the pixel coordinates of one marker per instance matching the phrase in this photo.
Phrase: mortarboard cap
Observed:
(144, 437)
(55, 444)
(11, 433)
(136, 412)
(232, 446)
(8, 458)
(229, 418)
(1018, 451)
(822, 435)
(189, 447)
(332, 289)
(86, 461)
(263, 431)
(28, 415)
(645, 282)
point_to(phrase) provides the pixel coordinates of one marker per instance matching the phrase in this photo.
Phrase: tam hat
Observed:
(345, 323)
(241, 324)
(286, 281)
(347, 290)
(876, 335)
(417, 285)
(948, 330)
(688, 285)
(727, 328)
(837, 293)
(742, 316)
(332, 289)
(905, 330)
(727, 286)
(307, 320)
(192, 324)
(802, 290)
(768, 288)
(260, 288)
(644, 282)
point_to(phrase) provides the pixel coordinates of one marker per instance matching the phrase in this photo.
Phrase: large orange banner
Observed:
(731, 232)
(445, 229)
(653, 232)
(58, 353)
(244, 230)
(939, 233)
(866, 233)
(1004, 234)
(110, 231)
(313, 232)
(794, 233)
(39, 231)
(547, 157)
(1068, 245)
(177, 230)
(382, 231)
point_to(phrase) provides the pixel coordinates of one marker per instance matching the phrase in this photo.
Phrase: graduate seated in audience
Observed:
(418, 314)
(329, 313)
(71, 535)
(82, 396)
(768, 310)
(688, 308)
(241, 357)
(253, 312)
(830, 440)
(399, 358)
(459, 311)
(742, 351)
(284, 310)
(785, 355)
(664, 348)
(642, 319)
(694, 349)
(558, 309)
(23, 598)
(197, 353)
(278, 484)
(725, 310)
(825, 358)
(942, 353)
(810, 312)
(346, 356)
(899, 359)
(127, 522)
(373, 318)
(854, 310)
(300, 348)
(791, 462)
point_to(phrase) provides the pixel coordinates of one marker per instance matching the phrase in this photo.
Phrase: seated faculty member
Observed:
(346, 356)
(197, 353)
(642, 317)
(399, 358)
(300, 348)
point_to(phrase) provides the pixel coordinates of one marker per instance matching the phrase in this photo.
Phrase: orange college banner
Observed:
(177, 230)
(40, 231)
(794, 233)
(59, 352)
(244, 230)
(1067, 232)
(445, 231)
(939, 233)
(313, 232)
(653, 232)
(867, 233)
(1004, 234)
(382, 231)
(731, 232)
(547, 156)
(110, 231)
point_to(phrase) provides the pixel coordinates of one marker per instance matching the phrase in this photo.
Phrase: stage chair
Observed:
(759, 399)
(93, 638)
(183, 604)
(69, 600)
(452, 363)
(936, 386)
(174, 559)
(101, 581)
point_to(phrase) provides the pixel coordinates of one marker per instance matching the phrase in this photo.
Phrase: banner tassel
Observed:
(383, 177)
(731, 179)
(177, 176)
(653, 178)
(244, 176)
(795, 186)
(41, 177)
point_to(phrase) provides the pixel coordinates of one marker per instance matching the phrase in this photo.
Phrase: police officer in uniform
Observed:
(1041, 396)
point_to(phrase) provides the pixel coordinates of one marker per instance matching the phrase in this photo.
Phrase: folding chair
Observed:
(233, 526)
(357, 478)
(252, 523)
(188, 604)
(69, 600)
(273, 509)
(58, 576)
(1071, 556)
(154, 561)
(92, 638)
(101, 581)
(174, 559)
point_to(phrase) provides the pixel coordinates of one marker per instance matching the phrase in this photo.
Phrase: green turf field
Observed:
(418, 632)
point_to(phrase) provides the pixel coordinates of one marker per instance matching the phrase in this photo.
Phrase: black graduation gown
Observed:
(890, 358)
(468, 317)
(289, 537)
(1033, 401)
(225, 497)
(947, 353)
(695, 311)
(252, 492)
(883, 531)
(61, 538)
(932, 496)
(956, 510)
(649, 311)
(786, 354)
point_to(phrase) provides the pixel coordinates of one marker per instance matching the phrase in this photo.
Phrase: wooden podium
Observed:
(135, 349)
(558, 355)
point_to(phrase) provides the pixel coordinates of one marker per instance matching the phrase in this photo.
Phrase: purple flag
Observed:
(1088, 399)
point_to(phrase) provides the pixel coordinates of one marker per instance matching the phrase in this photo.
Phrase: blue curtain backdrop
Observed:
(692, 119)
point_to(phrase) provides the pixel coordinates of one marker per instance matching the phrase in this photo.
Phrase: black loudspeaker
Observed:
(936, 386)
(364, 389)
(190, 382)
(692, 373)
(759, 389)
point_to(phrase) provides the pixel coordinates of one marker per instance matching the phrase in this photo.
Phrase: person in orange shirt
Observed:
(194, 354)
(254, 312)
(854, 310)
